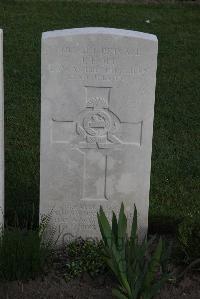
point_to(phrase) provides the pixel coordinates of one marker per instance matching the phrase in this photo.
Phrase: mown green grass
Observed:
(175, 173)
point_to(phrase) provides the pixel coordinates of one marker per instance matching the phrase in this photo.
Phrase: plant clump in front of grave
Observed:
(189, 239)
(84, 257)
(140, 271)
(25, 253)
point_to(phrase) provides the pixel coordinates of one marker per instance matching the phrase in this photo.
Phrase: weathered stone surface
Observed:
(1, 133)
(98, 91)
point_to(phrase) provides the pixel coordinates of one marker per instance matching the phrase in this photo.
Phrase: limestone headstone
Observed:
(98, 91)
(1, 133)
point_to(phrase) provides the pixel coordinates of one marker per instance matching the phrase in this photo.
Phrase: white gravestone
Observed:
(98, 92)
(1, 133)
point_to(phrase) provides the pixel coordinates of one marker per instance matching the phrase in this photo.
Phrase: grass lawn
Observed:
(175, 174)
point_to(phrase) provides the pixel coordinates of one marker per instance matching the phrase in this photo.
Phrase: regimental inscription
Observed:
(100, 129)
(99, 64)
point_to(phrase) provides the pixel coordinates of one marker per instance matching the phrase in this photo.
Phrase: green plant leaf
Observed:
(119, 294)
(153, 290)
(105, 228)
(153, 265)
(122, 227)
(115, 227)
(134, 225)
(117, 263)
(101, 229)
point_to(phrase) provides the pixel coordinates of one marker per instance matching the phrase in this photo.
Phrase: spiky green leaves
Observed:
(129, 259)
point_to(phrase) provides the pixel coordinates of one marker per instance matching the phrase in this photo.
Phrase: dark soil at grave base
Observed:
(53, 287)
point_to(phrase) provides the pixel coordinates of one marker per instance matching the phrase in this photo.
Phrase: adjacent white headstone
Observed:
(1, 133)
(98, 91)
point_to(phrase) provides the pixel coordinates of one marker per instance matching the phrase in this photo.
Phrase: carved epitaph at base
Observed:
(98, 89)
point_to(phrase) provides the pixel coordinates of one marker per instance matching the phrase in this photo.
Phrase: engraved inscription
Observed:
(67, 215)
(99, 64)
(66, 50)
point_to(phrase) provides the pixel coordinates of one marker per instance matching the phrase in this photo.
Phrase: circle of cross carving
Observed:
(97, 123)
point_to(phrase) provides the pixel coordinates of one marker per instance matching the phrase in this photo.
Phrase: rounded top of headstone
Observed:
(99, 30)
